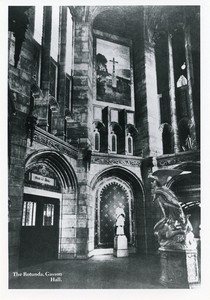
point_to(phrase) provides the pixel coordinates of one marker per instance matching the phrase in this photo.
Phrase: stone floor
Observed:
(98, 272)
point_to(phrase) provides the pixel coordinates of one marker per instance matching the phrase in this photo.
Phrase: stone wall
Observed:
(20, 87)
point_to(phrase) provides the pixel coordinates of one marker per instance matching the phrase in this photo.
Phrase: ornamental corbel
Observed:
(163, 125)
(115, 127)
(130, 128)
(54, 106)
(36, 92)
(98, 124)
(69, 116)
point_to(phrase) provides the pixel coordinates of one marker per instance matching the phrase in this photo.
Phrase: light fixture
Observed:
(183, 67)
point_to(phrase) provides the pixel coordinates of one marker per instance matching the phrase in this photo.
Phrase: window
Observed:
(113, 142)
(37, 64)
(182, 81)
(48, 215)
(97, 140)
(49, 119)
(68, 92)
(38, 23)
(129, 144)
(69, 38)
(29, 213)
(53, 78)
(54, 33)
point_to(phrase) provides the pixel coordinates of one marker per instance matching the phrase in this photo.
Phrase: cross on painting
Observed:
(113, 72)
(114, 79)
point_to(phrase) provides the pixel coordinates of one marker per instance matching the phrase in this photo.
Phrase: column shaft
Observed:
(188, 55)
(172, 94)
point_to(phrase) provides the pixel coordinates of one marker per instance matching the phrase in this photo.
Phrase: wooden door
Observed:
(39, 230)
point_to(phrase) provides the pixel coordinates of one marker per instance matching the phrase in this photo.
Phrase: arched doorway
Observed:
(111, 193)
(48, 177)
(113, 186)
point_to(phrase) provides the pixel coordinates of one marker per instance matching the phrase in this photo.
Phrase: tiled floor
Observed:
(98, 272)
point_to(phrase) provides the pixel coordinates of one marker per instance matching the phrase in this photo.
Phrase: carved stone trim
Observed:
(178, 158)
(115, 161)
(44, 138)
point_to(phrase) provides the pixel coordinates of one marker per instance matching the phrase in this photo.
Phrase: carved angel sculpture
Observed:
(174, 230)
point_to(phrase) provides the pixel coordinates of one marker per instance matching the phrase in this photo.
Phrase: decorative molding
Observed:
(103, 185)
(43, 170)
(116, 161)
(115, 180)
(45, 138)
(178, 158)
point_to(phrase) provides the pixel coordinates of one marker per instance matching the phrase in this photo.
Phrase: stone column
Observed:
(153, 110)
(59, 117)
(68, 224)
(189, 63)
(172, 94)
(147, 113)
(82, 79)
(79, 129)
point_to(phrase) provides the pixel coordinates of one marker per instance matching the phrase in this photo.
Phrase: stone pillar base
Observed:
(120, 246)
(179, 268)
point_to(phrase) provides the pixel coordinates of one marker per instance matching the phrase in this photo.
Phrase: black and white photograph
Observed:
(104, 139)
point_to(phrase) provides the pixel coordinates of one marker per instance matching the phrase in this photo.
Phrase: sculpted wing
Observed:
(169, 204)
(164, 174)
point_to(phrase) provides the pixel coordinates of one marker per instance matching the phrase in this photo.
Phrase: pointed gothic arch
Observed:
(58, 163)
(50, 199)
(127, 180)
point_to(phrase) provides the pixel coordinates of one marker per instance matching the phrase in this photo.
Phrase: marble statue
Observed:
(120, 220)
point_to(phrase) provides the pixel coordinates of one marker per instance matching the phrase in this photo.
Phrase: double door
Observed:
(40, 230)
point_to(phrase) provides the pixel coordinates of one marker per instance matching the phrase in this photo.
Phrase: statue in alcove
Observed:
(120, 220)
(120, 240)
(174, 230)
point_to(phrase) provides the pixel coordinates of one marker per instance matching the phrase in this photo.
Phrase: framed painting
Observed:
(113, 72)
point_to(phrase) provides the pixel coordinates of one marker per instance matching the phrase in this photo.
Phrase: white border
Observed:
(202, 293)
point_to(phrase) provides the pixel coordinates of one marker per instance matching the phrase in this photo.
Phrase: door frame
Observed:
(48, 194)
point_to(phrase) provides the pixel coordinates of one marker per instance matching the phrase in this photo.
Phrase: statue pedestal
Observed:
(120, 246)
(179, 268)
